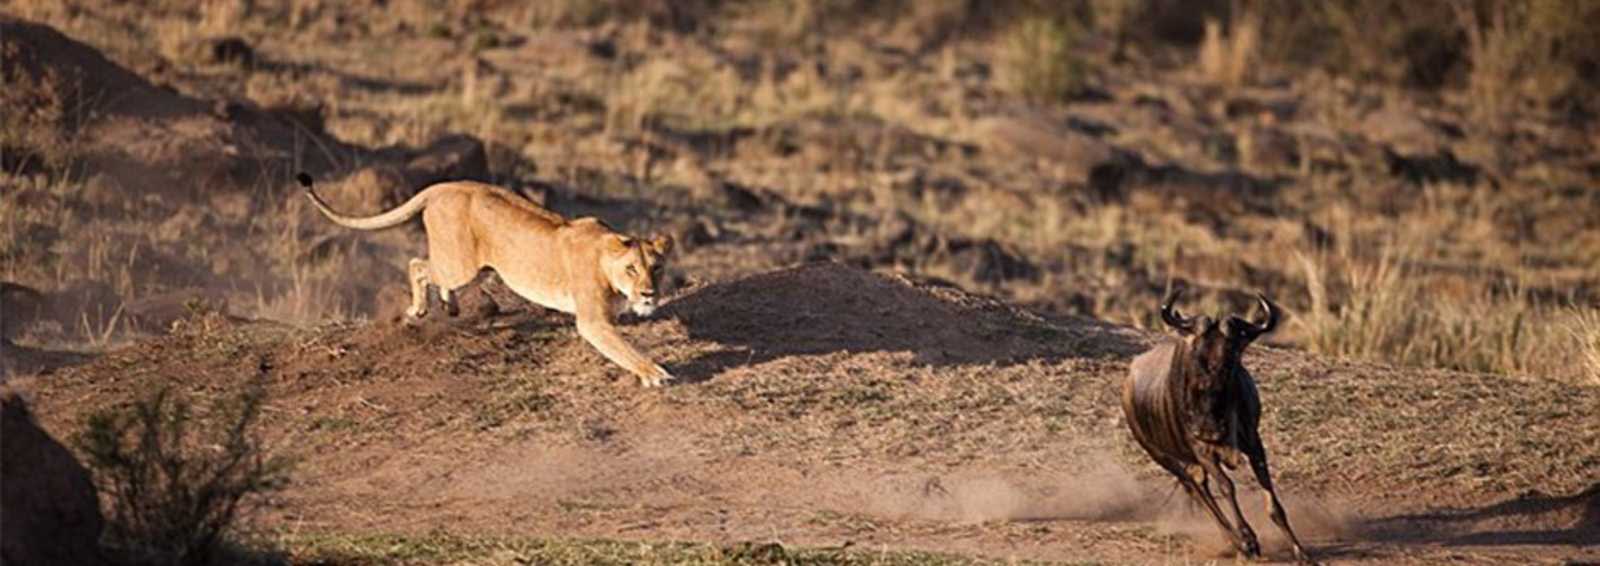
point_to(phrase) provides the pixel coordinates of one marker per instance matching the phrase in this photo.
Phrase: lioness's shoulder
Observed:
(590, 224)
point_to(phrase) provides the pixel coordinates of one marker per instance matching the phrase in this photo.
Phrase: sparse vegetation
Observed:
(1412, 181)
(441, 549)
(1585, 328)
(1380, 311)
(601, 130)
(1228, 58)
(1039, 60)
(176, 496)
(1528, 50)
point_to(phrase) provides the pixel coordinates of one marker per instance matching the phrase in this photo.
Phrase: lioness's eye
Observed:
(632, 270)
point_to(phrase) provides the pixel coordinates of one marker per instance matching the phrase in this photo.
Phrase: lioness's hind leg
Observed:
(417, 270)
(450, 276)
(448, 297)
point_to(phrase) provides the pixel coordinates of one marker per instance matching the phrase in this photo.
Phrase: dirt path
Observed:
(830, 406)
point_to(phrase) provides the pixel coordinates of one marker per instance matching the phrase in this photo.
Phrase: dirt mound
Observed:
(819, 308)
(51, 513)
(828, 307)
(69, 75)
(149, 138)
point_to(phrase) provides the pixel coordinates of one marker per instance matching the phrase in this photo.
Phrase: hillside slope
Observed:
(827, 405)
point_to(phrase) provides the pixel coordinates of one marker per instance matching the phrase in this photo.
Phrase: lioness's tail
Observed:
(388, 219)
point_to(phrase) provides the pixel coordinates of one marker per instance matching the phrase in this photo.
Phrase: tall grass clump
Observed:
(1227, 59)
(1369, 319)
(1527, 50)
(1585, 328)
(176, 482)
(1037, 61)
(1384, 311)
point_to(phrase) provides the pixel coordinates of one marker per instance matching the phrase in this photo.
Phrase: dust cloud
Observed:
(1105, 490)
(1315, 521)
(1102, 491)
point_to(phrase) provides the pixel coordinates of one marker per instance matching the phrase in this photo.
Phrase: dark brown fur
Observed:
(1195, 410)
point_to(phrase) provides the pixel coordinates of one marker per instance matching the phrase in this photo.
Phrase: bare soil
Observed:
(827, 405)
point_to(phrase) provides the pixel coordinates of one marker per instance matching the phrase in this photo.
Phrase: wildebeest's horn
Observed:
(1272, 313)
(1171, 316)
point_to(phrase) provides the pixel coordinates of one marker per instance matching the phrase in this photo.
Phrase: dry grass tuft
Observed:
(1384, 310)
(1585, 328)
(1228, 59)
(1037, 60)
(1530, 50)
(312, 290)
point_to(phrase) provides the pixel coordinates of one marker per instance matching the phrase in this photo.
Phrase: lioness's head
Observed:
(634, 268)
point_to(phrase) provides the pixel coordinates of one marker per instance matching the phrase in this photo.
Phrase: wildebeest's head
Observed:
(1216, 343)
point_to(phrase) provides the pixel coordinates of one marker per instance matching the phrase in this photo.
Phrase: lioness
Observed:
(579, 267)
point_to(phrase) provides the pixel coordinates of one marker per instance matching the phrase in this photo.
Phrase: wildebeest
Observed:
(1194, 409)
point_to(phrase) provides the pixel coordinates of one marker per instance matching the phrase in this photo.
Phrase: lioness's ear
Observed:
(662, 244)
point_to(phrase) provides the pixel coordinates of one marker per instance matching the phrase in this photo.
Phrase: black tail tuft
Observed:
(305, 180)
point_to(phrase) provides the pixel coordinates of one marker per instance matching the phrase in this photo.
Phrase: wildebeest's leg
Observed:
(1199, 492)
(1251, 548)
(1258, 463)
(1196, 489)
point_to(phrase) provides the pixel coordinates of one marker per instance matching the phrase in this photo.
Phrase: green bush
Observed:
(176, 493)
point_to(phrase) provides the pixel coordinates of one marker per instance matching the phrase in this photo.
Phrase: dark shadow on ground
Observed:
(21, 360)
(369, 84)
(1531, 519)
(823, 308)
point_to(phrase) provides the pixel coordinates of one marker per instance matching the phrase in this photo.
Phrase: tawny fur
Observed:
(580, 267)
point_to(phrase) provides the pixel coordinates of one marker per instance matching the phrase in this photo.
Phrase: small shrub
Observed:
(41, 112)
(1037, 61)
(1228, 60)
(175, 495)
